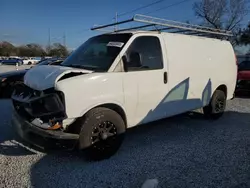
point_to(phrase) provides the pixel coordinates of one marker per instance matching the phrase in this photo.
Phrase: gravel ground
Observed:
(6, 68)
(184, 151)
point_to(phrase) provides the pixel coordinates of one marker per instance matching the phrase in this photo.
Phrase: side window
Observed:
(144, 54)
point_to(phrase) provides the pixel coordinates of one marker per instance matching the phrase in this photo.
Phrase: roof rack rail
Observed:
(168, 26)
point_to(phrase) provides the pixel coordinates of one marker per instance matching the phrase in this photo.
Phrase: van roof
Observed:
(157, 32)
(132, 32)
(153, 24)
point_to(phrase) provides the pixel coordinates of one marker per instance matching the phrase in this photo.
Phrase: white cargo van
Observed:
(119, 80)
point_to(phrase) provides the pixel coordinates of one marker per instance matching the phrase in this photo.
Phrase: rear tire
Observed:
(102, 133)
(217, 105)
(29, 63)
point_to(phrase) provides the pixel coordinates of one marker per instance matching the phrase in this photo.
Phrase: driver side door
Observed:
(145, 79)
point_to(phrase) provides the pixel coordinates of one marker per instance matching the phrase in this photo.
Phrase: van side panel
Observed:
(197, 66)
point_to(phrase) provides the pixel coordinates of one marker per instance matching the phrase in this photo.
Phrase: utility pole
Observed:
(64, 39)
(49, 40)
(116, 20)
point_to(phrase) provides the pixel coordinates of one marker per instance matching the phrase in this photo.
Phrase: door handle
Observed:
(165, 77)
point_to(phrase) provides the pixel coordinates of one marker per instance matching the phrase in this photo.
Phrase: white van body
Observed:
(193, 68)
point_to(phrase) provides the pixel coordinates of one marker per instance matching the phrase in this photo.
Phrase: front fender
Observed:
(85, 92)
(103, 104)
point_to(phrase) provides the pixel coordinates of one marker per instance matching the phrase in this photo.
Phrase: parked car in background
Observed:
(46, 57)
(241, 58)
(243, 77)
(4, 58)
(31, 61)
(9, 80)
(11, 61)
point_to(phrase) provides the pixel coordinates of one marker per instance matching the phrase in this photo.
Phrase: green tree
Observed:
(7, 49)
(57, 50)
(35, 50)
(23, 51)
(31, 50)
(245, 36)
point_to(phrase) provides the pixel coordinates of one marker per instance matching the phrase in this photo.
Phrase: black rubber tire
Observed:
(210, 110)
(29, 63)
(91, 120)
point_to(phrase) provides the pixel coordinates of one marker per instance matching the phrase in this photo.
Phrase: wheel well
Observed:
(117, 109)
(222, 88)
(75, 127)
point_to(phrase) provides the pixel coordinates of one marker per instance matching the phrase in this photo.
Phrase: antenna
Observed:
(116, 20)
(49, 39)
(64, 39)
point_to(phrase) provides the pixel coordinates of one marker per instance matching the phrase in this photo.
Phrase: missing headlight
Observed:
(46, 105)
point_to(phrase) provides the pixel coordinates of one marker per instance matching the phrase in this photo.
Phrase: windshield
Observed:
(97, 53)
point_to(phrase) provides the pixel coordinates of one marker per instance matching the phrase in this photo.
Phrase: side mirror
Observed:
(125, 63)
(134, 61)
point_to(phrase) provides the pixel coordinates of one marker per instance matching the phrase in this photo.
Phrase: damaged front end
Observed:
(44, 109)
(38, 116)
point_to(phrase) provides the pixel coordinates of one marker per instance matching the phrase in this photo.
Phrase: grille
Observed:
(30, 103)
(24, 91)
(20, 109)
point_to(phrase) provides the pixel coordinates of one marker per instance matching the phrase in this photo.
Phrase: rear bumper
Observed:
(44, 139)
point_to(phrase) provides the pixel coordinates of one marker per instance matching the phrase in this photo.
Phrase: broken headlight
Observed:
(46, 105)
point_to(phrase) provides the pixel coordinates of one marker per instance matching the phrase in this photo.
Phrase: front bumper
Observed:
(44, 139)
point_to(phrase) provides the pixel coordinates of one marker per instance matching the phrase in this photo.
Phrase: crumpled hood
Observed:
(44, 77)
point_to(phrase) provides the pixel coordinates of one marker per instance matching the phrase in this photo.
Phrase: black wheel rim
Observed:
(219, 105)
(103, 135)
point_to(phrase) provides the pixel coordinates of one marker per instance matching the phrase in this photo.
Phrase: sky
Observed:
(29, 21)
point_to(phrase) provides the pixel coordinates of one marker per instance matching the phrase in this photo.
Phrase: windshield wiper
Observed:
(93, 68)
(76, 66)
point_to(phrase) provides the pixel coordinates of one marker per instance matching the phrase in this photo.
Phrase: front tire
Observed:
(29, 63)
(101, 134)
(217, 105)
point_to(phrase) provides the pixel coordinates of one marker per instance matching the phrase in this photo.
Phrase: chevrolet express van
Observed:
(116, 81)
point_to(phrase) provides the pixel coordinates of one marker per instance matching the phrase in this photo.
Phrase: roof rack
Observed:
(170, 26)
